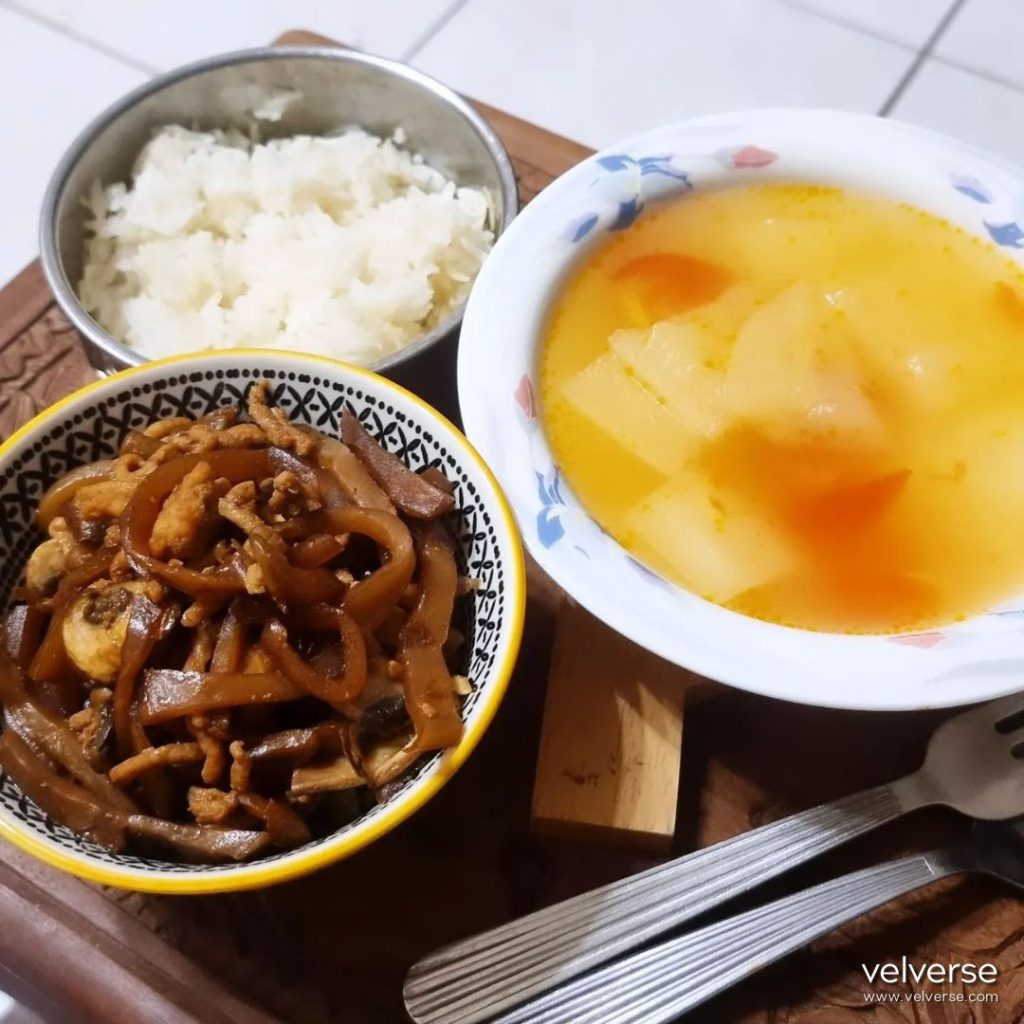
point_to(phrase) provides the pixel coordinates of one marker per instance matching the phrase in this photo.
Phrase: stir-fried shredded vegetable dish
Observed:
(236, 635)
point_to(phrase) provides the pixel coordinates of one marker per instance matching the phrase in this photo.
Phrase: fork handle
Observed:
(661, 983)
(477, 978)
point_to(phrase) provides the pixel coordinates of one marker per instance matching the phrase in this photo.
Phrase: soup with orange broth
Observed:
(802, 403)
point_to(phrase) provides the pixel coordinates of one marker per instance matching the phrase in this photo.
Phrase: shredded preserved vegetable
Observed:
(54, 500)
(429, 690)
(225, 622)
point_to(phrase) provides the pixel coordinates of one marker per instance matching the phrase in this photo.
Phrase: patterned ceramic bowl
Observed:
(969, 661)
(90, 424)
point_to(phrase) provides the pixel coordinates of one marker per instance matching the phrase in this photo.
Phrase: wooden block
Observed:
(608, 767)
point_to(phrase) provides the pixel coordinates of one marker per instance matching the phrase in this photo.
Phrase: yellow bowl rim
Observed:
(301, 863)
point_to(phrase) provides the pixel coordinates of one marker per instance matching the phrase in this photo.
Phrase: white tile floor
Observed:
(958, 102)
(910, 22)
(987, 36)
(591, 69)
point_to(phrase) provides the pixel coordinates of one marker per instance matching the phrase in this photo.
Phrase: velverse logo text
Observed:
(905, 972)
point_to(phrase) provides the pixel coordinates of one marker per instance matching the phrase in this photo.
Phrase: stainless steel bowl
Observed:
(337, 88)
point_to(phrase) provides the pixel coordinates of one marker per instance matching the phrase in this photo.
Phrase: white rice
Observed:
(345, 245)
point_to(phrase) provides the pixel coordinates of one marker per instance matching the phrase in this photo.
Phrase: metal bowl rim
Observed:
(121, 354)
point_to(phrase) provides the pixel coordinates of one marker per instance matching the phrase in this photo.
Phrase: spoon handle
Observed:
(661, 983)
(477, 978)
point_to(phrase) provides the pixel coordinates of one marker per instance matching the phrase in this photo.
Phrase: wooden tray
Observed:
(334, 947)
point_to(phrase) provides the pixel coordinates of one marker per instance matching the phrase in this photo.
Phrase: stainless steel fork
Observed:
(662, 983)
(972, 764)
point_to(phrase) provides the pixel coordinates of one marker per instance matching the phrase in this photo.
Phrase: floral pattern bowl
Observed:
(968, 661)
(90, 425)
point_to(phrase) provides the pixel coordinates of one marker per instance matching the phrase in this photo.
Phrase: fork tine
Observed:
(473, 980)
(1011, 723)
(996, 710)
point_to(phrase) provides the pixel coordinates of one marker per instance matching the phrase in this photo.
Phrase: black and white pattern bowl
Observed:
(90, 424)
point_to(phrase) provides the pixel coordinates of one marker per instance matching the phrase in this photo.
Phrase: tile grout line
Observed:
(970, 69)
(79, 37)
(851, 26)
(430, 31)
(922, 55)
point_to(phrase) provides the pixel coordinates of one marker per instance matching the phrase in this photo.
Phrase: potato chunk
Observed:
(796, 369)
(668, 362)
(695, 533)
(619, 406)
(679, 360)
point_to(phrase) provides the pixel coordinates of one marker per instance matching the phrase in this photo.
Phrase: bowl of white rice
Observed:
(311, 199)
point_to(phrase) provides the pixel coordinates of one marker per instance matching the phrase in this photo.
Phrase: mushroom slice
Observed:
(96, 624)
(52, 559)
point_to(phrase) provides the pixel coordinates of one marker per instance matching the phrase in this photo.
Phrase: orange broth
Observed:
(802, 403)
